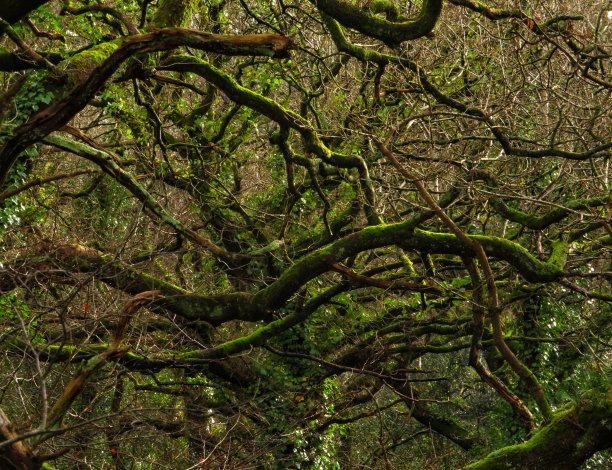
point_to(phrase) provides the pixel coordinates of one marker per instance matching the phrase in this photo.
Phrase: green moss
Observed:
(390, 9)
(530, 267)
(573, 435)
(257, 338)
(558, 255)
(80, 66)
(390, 32)
(174, 13)
(541, 222)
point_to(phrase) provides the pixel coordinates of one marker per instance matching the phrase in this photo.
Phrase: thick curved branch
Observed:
(474, 245)
(540, 222)
(107, 57)
(390, 32)
(252, 307)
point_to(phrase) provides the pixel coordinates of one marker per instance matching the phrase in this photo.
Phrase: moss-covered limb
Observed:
(239, 94)
(516, 255)
(584, 230)
(388, 7)
(368, 55)
(285, 118)
(606, 240)
(108, 164)
(389, 32)
(264, 333)
(174, 13)
(405, 235)
(474, 246)
(443, 425)
(475, 354)
(313, 240)
(544, 221)
(558, 254)
(217, 309)
(69, 353)
(213, 309)
(321, 260)
(108, 57)
(108, 269)
(573, 436)
(528, 378)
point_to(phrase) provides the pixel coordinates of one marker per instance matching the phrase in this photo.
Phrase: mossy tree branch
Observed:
(573, 436)
(390, 32)
(286, 118)
(105, 59)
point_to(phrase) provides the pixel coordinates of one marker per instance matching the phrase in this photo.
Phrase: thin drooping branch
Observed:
(40, 181)
(531, 381)
(475, 357)
(131, 28)
(108, 164)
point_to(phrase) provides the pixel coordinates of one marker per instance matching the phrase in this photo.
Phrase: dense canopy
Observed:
(316, 234)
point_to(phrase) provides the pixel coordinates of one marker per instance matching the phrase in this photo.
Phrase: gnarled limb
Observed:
(390, 32)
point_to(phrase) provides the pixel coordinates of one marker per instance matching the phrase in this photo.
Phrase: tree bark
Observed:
(15, 456)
